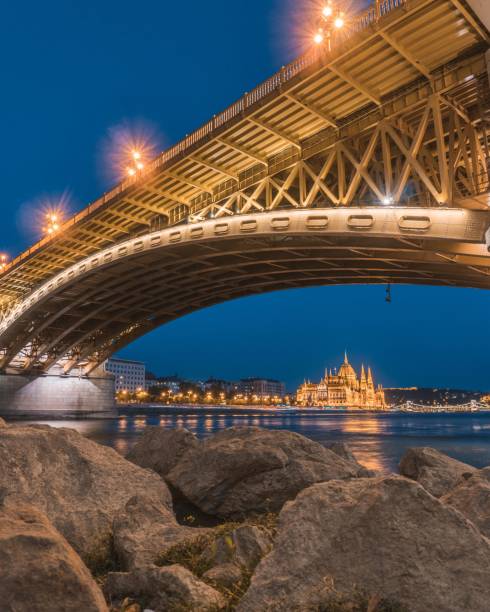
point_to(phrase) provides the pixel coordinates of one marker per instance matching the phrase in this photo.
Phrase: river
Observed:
(378, 440)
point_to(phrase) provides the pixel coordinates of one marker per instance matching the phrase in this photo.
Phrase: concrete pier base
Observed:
(54, 396)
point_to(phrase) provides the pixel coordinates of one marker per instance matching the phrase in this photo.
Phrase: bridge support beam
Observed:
(55, 396)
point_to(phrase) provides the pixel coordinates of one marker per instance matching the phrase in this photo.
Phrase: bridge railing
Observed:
(360, 22)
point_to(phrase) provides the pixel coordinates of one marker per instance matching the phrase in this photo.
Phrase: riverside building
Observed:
(129, 375)
(343, 389)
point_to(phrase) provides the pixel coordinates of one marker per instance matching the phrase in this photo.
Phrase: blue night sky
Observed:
(73, 72)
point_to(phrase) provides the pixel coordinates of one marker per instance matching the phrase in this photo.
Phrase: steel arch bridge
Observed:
(364, 163)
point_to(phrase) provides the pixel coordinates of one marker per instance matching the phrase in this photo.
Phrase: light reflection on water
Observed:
(378, 440)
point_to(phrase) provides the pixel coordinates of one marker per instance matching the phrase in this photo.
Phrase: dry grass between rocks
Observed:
(102, 559)
(190, 555)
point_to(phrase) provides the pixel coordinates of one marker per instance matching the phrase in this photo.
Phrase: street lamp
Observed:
(330, 19)
(136, 163)
(3, 262)
(53, 223)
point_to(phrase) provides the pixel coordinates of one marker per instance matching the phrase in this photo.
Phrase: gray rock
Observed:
(161, 449)
(472, 498)
(436, 472)
(384, 536)
(343, 450)
(243, 470)
(244, 546)
(226, 576)
(144, 530)
(164, 589)
(78, 484)
(39, 571)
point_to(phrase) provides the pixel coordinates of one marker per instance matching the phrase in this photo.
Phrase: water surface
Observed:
(378, 440)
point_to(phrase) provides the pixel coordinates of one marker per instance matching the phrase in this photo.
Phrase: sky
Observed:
(73, 73)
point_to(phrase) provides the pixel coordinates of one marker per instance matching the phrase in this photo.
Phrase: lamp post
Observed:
(53, 223)
(136, 163)
(331, 19)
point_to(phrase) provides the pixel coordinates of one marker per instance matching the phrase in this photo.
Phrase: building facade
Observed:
(343, 389)
(129, 375)
(261, 387)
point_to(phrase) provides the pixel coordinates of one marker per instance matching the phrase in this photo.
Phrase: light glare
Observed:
(339, 23)
(327, 11)
(318, 38)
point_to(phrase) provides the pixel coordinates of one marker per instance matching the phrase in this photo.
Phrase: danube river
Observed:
(378, 440)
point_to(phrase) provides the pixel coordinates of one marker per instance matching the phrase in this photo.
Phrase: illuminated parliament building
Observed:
(343, 389)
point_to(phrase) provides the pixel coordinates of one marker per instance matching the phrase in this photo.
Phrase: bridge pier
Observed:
(54, 395)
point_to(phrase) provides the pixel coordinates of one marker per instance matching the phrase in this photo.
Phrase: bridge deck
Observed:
(408, 47)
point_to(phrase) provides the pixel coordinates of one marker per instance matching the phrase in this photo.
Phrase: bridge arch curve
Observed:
(94, 308)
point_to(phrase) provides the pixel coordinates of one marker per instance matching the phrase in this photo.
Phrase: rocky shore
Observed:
(248, 519)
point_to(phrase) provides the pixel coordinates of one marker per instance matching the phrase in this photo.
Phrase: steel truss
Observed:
(432, 154)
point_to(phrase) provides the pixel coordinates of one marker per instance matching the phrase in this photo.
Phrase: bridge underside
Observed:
(95, 308)
(367, 162)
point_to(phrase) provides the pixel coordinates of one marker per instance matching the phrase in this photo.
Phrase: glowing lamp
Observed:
(318, 38)
(136, 155)
(387, 200)
(339, 23)
(327, 11)
(131, 171)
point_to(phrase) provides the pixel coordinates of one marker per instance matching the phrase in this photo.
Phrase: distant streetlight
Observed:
(3, 262)
(330, 19)
(53, 223)
(137, 164)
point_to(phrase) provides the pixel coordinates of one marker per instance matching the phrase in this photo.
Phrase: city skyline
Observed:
(426, 336)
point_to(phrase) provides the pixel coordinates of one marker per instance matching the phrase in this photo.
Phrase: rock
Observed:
(165, 588)
(144, 530)
(161, 449)
(436, 472)
(39, 571)
(3, 423)
(242, 470)
(343, 450)
(386, 537)
(78, 484)
(472, 498)
(244, 546)
(226, 576)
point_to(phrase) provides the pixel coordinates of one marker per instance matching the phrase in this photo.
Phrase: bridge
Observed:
(365, 160)
(472, 406)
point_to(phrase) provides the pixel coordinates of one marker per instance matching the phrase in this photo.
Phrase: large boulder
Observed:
(242, 470)
(436, 472)
(39, 571)
(161, 449)
(385, 537)
(78, 484)
(145, 530)
(472, 498)
(164, 589)
(344, 450)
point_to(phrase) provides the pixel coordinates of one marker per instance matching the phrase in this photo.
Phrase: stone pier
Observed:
(57, 396)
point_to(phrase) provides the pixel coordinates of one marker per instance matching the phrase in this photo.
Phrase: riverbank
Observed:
(273, 521)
